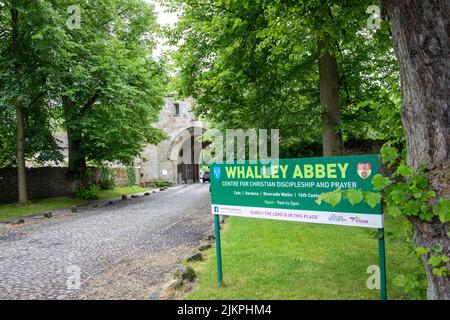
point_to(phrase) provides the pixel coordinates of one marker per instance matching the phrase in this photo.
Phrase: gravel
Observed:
(123, 251)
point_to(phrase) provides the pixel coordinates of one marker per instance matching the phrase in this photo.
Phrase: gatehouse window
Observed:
(177, 109)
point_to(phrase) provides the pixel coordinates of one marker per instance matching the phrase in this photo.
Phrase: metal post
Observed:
(218, 249)
(382, 254)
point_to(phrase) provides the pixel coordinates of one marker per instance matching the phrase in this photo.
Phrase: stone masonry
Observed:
(171, 159)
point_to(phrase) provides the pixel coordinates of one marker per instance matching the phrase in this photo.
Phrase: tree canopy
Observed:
(98, 81)
(254, 64)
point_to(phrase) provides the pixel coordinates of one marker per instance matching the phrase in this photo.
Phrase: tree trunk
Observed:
(329, 98)
(427, 234)
(77, 167)
(77, 160)
(421, 36)
(21, 168)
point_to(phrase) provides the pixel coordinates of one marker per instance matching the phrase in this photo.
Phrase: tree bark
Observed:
(77, 167)
(329, 98)
(421, 36)
(21, 167)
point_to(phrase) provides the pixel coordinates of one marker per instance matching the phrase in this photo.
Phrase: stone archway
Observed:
(184, 152)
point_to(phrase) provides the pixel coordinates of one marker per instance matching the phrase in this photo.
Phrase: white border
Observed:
(323, 217)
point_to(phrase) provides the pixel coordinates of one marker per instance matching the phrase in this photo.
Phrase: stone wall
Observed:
(42, 183)
(121, 178)
(155, 162)
(47, 182)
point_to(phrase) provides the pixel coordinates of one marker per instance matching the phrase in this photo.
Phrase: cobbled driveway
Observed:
(123, 251)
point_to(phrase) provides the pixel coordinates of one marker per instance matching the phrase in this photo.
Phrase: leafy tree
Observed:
(98, 81)
(257, 64)
(420, 32)
(111, 88)
(28, 42)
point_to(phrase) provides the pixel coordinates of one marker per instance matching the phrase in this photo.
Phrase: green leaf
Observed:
(428, 195)
(404, 170)
(397, 195)
(354, 196)
(411, 208)
(394, 210)
(389, 155)
(373, 199)
(439, 271)
(380, 182)
(333, 197)
(435, 261)
(436, 248)
(426, 215)
(442, 209)
(320, 198)
(417, 194)
(422, 250)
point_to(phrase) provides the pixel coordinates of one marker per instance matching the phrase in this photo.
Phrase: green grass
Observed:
(117, 192)
(8, 211)
(264, 259)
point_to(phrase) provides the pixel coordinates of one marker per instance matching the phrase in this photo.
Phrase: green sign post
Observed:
(288, 189)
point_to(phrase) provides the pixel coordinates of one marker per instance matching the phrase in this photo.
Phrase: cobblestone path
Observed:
(120, 251)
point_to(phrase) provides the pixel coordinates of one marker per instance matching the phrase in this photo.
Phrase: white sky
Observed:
(164, 18)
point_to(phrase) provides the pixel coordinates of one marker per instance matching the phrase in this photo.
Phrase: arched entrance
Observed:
(184, 153)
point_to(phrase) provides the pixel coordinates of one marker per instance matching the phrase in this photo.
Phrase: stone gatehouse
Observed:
(176, 158)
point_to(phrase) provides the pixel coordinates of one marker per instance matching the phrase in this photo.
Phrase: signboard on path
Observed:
(287, 189)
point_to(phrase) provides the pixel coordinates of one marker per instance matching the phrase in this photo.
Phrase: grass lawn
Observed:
(266, 259)
(117, 192)
(8, 211)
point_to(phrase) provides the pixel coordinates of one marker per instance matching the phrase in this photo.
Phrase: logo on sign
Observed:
(359, 220)
(364, 169)
(217, 173)
(337, 218)
(216, 209)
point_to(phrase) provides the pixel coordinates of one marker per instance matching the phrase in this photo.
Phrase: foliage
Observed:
(115, 92)
(88, 193)
(28, 50)
(436, 259)
(406, 193)
(414, 286)
(99, 82)
(162, 183)
(253, 64)
(106, 178)
(131, 171)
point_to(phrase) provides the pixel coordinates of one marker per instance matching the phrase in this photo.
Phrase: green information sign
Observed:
(287, 189)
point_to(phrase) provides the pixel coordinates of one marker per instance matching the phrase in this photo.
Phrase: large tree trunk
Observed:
(21, 168)
(77, 167)
(77, 160)
(421, 31)
(329, 98)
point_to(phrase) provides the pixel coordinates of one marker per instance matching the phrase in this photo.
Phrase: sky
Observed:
(164, 18)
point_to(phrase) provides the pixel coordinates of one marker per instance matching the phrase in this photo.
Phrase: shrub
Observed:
(131, 176)
(161, 183)
(89, 193)
(106, 179)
